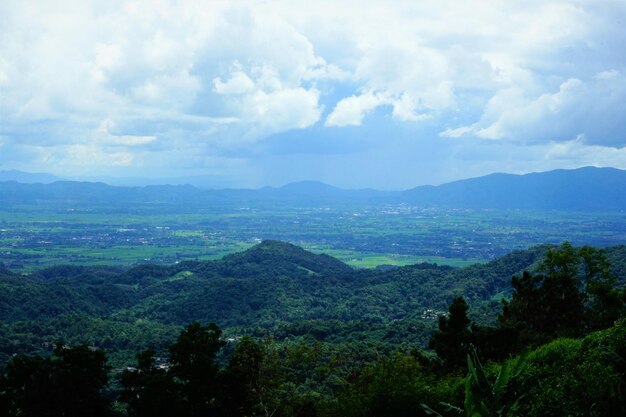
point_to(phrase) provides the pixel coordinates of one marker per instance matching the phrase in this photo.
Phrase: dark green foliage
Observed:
(567, 377)
(542, 309)
(145, 275)
(573, 294)
(34, 298)
(149, 391)
(490, 400)
(393, 386)
(242, 383)
(603, 301)
(121, 337)
(76, 274)
(273, 289)
(495, 343)
(616, 256)
(345, 341)
(276, 289)
(453, 339)
(190, 387)
(484, 398)
(70, 384)
(271, 253)
(577, 377)
(193, 367)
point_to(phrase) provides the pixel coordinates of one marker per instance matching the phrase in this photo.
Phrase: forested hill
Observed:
(583, 189)
(274, 288)
(271, 279)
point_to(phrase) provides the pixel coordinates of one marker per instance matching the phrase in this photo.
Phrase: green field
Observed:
(366, 237)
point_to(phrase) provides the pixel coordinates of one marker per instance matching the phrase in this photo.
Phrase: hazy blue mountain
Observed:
(27, 177)
(581, 189)
(207, 182)
(79, 195)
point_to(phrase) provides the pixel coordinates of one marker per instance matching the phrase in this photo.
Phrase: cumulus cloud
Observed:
(214, 78)
(238, 83)
(267, 103)
(590, 109)
(351, 111)
(104, 136)
(283, 109)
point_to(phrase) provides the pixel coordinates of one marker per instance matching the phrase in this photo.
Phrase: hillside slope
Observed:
(272, 289)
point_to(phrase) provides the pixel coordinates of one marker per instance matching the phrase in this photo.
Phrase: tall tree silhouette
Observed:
(452, 340)
(69, 384)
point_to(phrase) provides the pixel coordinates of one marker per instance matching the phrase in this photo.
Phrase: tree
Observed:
(70, 384)
(453, 339)
(603, 302)
(562, 292)
(241, 385)
(193, 366)
(483, 398)
(573, 293)
(149, 391)
(188, 386)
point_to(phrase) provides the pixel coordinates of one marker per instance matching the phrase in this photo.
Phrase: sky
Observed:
(357, 94)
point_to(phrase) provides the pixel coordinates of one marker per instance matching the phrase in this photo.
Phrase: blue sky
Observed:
(386, 95)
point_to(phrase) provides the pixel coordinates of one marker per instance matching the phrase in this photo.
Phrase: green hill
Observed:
(273, 288)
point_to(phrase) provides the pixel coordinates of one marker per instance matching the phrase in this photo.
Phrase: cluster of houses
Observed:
(430, 314)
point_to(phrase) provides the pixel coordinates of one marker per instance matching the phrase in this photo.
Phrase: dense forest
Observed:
(279, 331)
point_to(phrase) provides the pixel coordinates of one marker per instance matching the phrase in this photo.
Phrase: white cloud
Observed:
(456, 133)
(238, 83)
(351, 111)
(591, 109)
(103, 136)
(266, 103)
(607, 75)
(107, 57)
(282, 109)
(405, 107)
(208, 75)
(576, 153)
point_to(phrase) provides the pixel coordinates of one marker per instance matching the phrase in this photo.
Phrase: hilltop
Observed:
(273, 288)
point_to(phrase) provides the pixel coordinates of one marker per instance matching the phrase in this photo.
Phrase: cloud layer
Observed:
(209, 87)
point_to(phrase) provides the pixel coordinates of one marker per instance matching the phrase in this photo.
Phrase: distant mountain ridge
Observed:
(582, 189)
(27, 177)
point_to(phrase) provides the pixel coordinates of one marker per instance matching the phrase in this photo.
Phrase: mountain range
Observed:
(582, 189)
